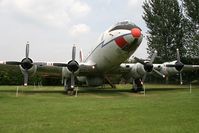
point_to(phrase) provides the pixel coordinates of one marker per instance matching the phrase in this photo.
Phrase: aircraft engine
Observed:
(26, 64)
(65, 73)
(27, 67)
(147, 67)
(167, 70)
(137, 71)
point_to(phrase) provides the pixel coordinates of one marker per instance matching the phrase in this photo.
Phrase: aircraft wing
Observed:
(170, 68)
(190, 67)
(137, 70)
(84, 69)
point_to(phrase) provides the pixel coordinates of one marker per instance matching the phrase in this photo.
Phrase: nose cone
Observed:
(136, 32)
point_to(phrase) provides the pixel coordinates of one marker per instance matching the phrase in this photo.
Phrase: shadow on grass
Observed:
(34, 91)
(91, 90)
(103, 90)
(164, 89)
(81, 90)
(170, 87)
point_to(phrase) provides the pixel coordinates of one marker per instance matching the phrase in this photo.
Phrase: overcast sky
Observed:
(53, 26)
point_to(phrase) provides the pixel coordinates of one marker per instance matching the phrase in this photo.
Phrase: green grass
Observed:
(47, 109)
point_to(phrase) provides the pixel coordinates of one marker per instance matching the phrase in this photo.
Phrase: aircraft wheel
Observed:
(70, 92)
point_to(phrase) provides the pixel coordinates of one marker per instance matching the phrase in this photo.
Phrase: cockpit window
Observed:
(125, 25)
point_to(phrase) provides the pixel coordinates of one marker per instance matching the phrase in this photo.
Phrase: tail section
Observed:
(81, 56)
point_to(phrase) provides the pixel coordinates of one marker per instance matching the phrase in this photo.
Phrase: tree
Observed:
(164, 20)
(191, 10)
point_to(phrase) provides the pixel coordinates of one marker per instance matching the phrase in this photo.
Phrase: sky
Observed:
(52, 27)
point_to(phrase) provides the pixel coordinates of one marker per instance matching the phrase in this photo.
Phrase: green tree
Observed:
(164, 20)
(191, 10)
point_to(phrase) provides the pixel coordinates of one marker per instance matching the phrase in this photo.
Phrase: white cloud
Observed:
(79, 29)
(108, 2)
(78, 9)
(134, 2)
(50, 12)
(56, 24)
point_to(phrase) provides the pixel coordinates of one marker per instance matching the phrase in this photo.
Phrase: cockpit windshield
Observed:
(125, 25)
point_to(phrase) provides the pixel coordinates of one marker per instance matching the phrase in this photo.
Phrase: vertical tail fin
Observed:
(81, 56)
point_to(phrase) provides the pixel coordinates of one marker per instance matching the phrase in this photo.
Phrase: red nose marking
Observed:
(121, 42)
(136, 32)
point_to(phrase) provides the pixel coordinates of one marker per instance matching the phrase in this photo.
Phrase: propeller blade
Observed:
(13, 63)
(72, 80)
(159, 73)
(178, 55)
(27, 50)
(73, 53)
(25, 77)
(178, 65)
(153, 57)
(181, 82)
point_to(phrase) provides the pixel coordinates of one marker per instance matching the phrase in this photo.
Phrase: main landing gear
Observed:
(71, 92)
(137, 86)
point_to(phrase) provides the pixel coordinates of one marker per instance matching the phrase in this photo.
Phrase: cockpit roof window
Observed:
(126, 25)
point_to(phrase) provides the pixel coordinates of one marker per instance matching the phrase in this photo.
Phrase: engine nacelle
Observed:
(66, 74)
(137, 71)
(167, 70)
(31, 71)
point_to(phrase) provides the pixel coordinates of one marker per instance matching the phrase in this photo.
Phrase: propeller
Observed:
(178, 65)
(72, 66)
(148, 66)
(26, 64)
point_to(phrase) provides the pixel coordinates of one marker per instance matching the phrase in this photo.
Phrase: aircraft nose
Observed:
(136, 32)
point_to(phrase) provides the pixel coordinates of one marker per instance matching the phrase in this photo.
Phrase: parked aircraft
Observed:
(114, 47)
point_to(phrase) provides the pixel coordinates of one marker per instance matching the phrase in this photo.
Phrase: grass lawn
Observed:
(47, 109)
